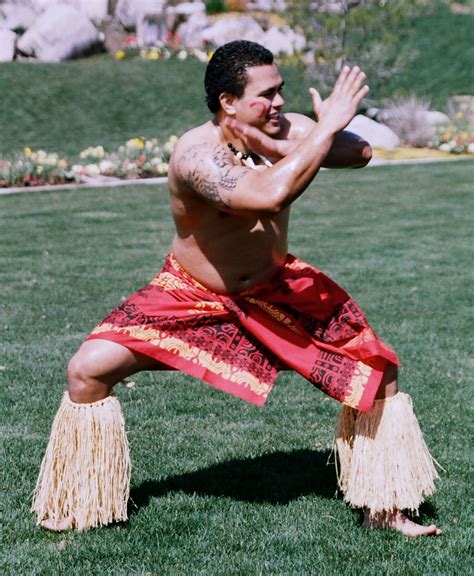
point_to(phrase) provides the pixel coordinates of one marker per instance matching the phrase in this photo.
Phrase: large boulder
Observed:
(233, 28)
(193, 21)
(283, 40)
(16, 17)
(95, 10)
(61, 32)
(129, 12)
(267, 5)
(377, 135)
(7, 45)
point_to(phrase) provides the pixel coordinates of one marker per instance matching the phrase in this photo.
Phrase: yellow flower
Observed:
(458, 115)
(136, 143)
(120, 55)
(27, 150)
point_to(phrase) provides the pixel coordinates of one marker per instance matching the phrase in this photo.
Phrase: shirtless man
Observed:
(232, 181)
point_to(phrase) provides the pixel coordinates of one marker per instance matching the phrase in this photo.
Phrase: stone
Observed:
(267, 5)
(151, 28)
(7, 45)
(61, 32)
(190, 31)
(16, 17)
(377, 135)
(97, 11)
(233, 28)
(115, 36)
(283, 40)
(431, 118)
(129, 12)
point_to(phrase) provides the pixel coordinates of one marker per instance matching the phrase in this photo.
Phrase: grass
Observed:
(221, 487)
(436, 57)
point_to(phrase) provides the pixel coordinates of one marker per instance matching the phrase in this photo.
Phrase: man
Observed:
(232, 307)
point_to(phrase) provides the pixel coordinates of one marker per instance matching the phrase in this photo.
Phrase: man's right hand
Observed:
(335, 112)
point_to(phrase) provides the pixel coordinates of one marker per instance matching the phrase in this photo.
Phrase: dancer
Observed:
(231, 306)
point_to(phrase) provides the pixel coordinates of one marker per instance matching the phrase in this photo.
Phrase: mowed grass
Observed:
(221, 487)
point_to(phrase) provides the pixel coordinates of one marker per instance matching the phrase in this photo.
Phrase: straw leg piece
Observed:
(385, 464)
(85, 473)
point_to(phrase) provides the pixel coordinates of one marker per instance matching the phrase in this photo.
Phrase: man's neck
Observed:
(226, 135)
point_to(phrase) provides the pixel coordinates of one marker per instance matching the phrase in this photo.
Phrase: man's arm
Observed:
(347, 151)
(209, 172)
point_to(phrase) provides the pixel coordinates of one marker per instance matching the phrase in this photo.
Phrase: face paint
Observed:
(260, 108)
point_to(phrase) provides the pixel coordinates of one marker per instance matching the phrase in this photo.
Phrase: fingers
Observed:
(350, 80)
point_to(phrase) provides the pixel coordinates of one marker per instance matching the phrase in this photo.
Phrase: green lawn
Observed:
(221, 487)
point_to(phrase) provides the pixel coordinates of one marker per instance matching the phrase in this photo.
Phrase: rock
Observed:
(387, 116)
(7, 45)
(97, 11)
(233, 28)
(377, 135)
(267, 5)
(58, 34)
(191, 30)
(128, 12)
(283, 40)
(16, 17)
(114, 36)
(151, 28)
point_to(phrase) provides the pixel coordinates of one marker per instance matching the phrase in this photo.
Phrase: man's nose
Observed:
(278, 101)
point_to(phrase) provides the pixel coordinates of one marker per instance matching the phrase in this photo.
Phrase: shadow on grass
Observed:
(275, 478)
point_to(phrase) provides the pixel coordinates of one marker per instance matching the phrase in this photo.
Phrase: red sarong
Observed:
(300, 320)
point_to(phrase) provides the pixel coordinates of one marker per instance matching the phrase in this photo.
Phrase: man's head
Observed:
(227, 70)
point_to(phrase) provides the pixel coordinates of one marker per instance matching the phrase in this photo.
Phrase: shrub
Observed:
(408, 119)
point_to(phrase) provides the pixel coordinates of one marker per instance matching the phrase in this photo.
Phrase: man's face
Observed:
(262, 101)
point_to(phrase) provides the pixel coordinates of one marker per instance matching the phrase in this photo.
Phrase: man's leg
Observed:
(385, 466)
(85, 475)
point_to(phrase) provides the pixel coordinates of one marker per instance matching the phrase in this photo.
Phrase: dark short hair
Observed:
(227, 69)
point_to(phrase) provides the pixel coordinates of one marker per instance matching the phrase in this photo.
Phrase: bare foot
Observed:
(399, 522)
(61, 526)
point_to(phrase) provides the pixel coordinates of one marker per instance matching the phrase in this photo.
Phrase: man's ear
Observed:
(228, 103)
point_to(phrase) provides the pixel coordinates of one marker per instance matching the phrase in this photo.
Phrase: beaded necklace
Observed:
(246, 157)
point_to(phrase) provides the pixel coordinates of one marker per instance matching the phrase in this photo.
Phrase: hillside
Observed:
(69, 106)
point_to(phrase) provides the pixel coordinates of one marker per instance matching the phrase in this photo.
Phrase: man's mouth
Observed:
(273, 118)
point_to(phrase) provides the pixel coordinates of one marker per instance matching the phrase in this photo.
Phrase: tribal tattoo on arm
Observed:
(210, 172)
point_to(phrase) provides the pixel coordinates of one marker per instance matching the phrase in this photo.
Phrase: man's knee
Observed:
(83, 379)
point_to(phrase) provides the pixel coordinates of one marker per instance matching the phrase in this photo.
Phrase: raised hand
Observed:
(335, 112)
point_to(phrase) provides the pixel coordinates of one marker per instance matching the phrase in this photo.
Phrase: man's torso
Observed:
(226, 252)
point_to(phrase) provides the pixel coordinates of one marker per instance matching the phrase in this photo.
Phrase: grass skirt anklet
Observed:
(385, 464)
(85, 473)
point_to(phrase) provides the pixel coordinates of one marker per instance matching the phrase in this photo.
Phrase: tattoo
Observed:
(210, 172)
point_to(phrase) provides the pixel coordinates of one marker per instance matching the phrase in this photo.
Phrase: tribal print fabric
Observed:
(300, 320)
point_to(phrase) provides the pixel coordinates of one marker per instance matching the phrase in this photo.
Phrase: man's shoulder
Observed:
(297, 125)
(199, 134)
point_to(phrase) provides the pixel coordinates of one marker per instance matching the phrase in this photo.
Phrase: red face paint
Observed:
(260, 108)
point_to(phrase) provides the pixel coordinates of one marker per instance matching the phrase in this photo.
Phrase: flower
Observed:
(120, 55)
